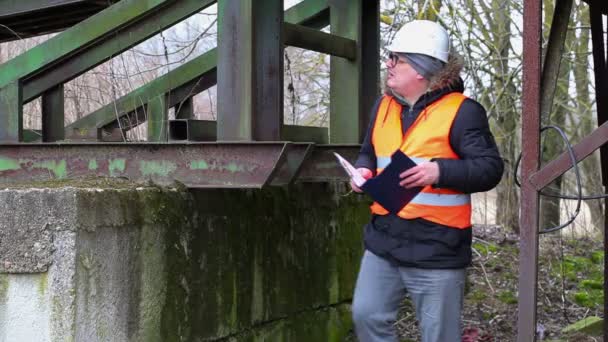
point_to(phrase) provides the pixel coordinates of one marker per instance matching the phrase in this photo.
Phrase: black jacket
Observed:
(418, 242)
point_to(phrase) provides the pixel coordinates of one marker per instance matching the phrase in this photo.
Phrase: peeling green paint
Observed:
(159, 168)
(58, 168)
(199, 165)
(9, 164)
(116, 165)
(233, 167)
(93, 164)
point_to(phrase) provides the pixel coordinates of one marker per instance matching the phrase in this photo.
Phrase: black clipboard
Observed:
(385, 188)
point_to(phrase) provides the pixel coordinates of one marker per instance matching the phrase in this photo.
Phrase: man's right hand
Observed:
(365, 173)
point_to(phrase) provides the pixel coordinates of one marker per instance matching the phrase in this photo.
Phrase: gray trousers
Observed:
(437, 295)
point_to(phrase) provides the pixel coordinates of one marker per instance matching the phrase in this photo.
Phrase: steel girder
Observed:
(26, 18)
(196, 165)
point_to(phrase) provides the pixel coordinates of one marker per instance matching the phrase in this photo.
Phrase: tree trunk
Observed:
(592, 184)
(506, 115)
(554, 113)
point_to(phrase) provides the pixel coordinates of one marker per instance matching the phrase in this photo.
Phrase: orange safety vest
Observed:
(427, 138)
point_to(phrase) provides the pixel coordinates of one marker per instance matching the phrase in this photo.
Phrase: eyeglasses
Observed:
(394, 58)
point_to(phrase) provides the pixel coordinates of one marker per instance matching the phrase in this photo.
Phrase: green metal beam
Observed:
(11, 113)
(268, 70)
(205, 130)
(345, 82)
(310, 13)
(318, 135)
(112, 45)
(187, 73)
(185, 81)
(29, 7)
(77, 38)
(157, 117)
(311, 39)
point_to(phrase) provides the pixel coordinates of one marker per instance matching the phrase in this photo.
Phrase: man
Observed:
(424, 249)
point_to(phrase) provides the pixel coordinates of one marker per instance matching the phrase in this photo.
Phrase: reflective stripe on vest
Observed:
(442, 199)
(427, 138)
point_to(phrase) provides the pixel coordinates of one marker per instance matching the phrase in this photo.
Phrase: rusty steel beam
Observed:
(290, 169)
(196, 165)
(562, 163)
(245, 165)
(529, 220)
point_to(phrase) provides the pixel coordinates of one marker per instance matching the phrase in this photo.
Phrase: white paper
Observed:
(355, 176)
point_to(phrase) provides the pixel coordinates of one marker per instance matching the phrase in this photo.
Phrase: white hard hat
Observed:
(424, 37)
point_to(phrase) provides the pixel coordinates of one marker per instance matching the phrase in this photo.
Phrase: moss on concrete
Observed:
(42, 284)
(3, 285)
(277, 264)
(84, 183)
(248, 257)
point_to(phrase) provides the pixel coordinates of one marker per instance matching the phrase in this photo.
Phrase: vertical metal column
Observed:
(528, 255)
(157, 113)
(11, 113)
(345, 77)
(600, 68)
(370, 62)
(53, 114)
(250, 70)
(268, 72)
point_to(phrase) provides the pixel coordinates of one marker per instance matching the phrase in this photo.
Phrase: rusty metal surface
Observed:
(562, 163)
(295, 157)
(322, 165)
(528, 256)
(242, 165)
(196, 165)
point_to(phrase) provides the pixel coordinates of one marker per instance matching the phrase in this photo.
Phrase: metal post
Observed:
(601, 92)
(528, 256)
(250, 69)
(345, 78)
(370, 64)
(53, 115)
(11, 113)
(158, 119)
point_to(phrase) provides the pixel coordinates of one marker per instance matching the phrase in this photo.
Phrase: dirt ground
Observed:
(570, 288)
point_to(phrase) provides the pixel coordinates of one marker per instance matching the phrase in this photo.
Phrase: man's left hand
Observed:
(426, 173)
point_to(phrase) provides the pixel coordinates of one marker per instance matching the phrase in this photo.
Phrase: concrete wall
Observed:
(149, 264)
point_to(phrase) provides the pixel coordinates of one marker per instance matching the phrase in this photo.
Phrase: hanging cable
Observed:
(579, 189)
